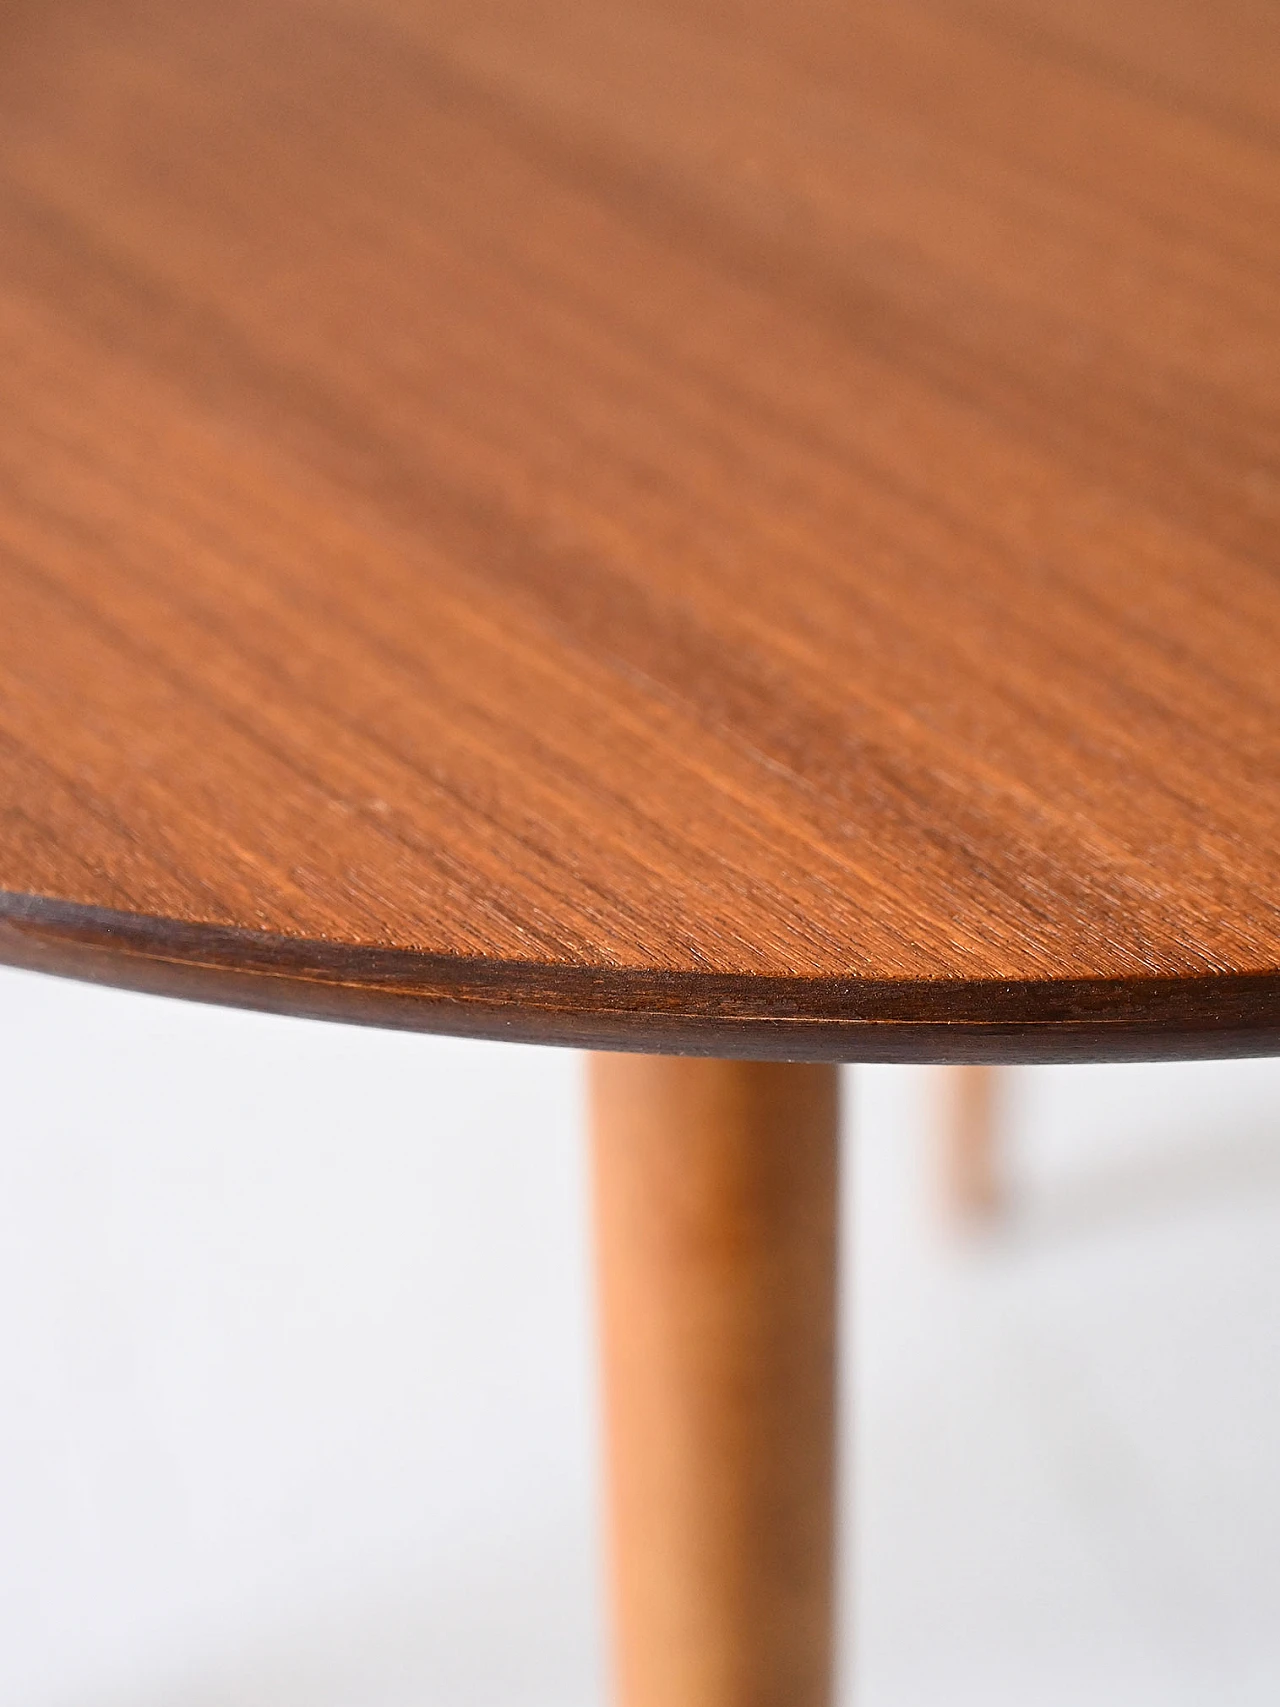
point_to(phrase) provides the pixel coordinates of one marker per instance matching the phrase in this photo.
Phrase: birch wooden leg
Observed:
(971, 1155)
(716, 1226)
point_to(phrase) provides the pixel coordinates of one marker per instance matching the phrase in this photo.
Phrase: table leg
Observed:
(971, 1143)
(715, 1186)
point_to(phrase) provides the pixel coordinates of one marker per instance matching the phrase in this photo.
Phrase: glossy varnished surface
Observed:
(732, 527)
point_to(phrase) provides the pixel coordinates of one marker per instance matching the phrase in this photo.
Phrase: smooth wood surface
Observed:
(972, 1173)
(716, 1228)
(713, 526)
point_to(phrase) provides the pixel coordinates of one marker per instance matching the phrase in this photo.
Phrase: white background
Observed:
(296, 1380)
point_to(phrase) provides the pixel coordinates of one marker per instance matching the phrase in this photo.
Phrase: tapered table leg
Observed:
(716, 1213)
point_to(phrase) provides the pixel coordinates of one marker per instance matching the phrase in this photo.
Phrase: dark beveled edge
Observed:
(684, 1013)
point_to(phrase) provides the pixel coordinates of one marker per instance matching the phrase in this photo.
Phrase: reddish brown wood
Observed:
(716, 1226)
(690, 1013)
(724, 527)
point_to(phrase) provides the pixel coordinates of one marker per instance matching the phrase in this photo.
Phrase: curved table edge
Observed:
(654, 1012)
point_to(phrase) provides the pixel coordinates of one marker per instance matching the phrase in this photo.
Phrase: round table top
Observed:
(691, 525)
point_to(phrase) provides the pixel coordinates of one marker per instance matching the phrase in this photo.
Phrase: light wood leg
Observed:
(971, 1150)
(716, 1213)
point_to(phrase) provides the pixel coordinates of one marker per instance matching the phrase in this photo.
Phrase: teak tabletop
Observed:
(699, 525)
(698, 528)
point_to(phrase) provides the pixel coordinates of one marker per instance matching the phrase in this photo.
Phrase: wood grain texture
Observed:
(714, 526)
(715, 1188)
